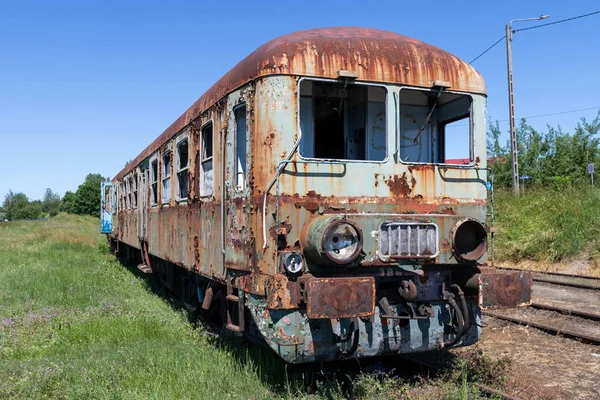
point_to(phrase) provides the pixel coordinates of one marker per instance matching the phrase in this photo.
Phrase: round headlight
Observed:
(331, 240)
(469, 239)
(293, 262)
(342, 242)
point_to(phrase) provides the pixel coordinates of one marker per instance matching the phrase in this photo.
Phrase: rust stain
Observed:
(278, 293)
(340, 297)
(398, 185)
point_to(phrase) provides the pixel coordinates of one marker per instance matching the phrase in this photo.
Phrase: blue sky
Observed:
(86, 85)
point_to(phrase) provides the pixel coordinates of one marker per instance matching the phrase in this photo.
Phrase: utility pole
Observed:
(511, 104)
(511, 110)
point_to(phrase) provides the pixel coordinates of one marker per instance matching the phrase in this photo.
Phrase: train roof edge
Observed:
(374, 55)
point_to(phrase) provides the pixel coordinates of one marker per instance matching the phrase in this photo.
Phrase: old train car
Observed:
(327, 197)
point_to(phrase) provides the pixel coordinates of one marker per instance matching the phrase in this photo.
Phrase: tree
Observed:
(51, 202)
(67, 204)
(18, 206)
(87, 197)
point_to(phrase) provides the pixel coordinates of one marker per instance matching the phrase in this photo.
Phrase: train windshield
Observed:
(435, 127)
(342, 121)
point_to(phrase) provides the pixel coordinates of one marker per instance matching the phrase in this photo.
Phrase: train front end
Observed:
(375, 224)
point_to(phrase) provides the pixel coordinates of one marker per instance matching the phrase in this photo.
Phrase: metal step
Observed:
(145, 269)
(234, 328)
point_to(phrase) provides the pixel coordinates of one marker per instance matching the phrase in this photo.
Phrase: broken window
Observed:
(166, 180)
(115, 199)
(240, 146)
(183, 174)
(206, 161)
(123, 201)
(128, 189)
(341, 120)
(135, 190)
(435, 127)
(154, 182)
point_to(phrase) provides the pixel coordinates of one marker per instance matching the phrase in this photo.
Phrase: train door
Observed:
(106, 208)
(239, 241)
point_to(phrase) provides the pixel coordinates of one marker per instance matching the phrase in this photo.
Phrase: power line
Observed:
(488, 49)
(533, 27)
(541, 115)
(557, 22)
(558, 113)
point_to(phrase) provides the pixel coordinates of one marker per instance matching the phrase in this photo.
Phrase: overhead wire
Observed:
(539, 116)
(556, 22)
(533, 27)
(488, 49)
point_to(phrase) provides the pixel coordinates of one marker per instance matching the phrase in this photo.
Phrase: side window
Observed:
(240, 146)
(166, 180)
(154, 182)
(183, 173)
(115, 198)
(122, 195)
(135, 190)
(206, 161)
(128, 190)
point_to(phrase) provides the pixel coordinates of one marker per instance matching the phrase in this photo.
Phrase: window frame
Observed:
(135, 191)
(164, 177)
(202, 160)
(388, 129)
(178, 171)
(128, 192)
(154, 180)
(115, 208)
(242, 188)
(398, 134)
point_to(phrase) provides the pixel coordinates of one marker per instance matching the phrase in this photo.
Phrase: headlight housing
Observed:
(292, 262)
(469, 239)
(332, 241)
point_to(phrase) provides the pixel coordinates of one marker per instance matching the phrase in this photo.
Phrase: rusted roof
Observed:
(374, 55)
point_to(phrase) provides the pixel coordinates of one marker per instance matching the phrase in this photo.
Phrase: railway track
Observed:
(554, 330)
(559, 278)
(564, 305)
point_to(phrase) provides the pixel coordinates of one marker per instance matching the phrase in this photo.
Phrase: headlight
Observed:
(332, 241)
(292, 262)
(341, 242)
(469, 239)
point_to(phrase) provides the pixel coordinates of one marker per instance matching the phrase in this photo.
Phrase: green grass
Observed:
(547, 224)
(77, 324)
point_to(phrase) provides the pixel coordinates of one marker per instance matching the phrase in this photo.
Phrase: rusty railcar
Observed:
(317, 198)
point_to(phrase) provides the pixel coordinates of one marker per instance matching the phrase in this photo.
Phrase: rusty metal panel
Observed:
(499, 290)
(340, 297)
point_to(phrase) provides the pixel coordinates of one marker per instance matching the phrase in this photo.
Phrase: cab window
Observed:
(343, 121)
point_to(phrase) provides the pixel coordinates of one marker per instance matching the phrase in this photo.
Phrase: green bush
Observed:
(547, 224)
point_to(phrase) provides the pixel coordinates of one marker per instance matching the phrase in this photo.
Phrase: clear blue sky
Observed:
(86, 85)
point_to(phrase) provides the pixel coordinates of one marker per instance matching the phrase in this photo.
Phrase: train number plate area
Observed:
(340, 297)
(499, 290)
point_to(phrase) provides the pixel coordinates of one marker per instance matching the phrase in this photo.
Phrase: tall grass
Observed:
(546, 224)
(74, 323)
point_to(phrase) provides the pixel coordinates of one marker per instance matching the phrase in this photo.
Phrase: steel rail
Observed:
(596, 278)
(546, 328)
(567, 311)
(565, 283)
